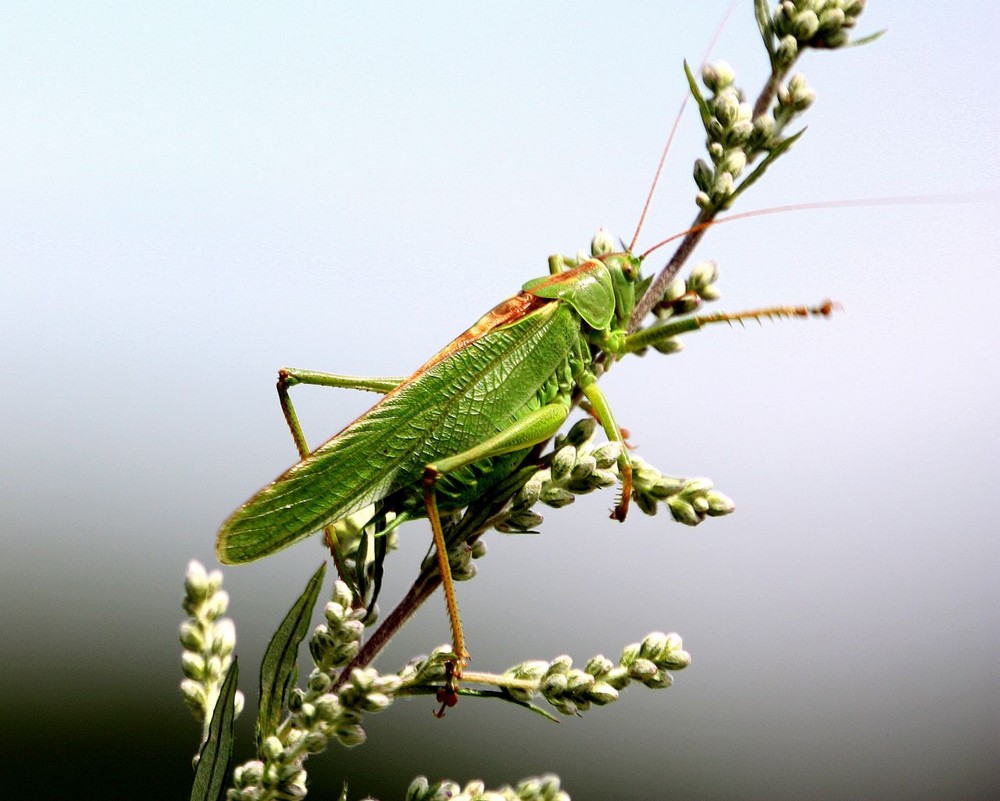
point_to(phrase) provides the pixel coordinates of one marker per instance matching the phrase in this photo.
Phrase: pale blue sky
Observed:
(194, 195)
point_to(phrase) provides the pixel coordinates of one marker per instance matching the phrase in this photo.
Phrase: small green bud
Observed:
(531, 670)
(249, 773)
(787, 51)
(703, 201)
(683, 512)
(643, 669)
(327, 707)
(654, 645)
(764, 127)
(806, 25)
(556, 497)
(599, 666)
(802, 95)
(617, 677)
(519, 523)
(194, 695)
(695, 485)
(668, 346)
(702, 174)
(727, 107)
(225, 637)
(528, 495)
(191, 636)
(272, 749)
(736, 160)
(707, 272)
(216, 605)
(350, 736)
(676, 660)
(584, 468)
(716, 151)
(710, 293)
(676, 290)
(602, 243)
(578, 681)
(193, 665)
(295, 700)
(418, 788)
(607, 455)
(342, 594)
(319, 682)
(629, 654)
(196, 580)
(554, 684)
(561, 664)
(581, 432)
(832, 20)
(646, 503)
(314, 742)
(659, 680)
(602, 693)
(717, 76)
(376, 702)
(723, 187)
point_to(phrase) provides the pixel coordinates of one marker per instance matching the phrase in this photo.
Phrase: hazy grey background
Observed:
(194, 195)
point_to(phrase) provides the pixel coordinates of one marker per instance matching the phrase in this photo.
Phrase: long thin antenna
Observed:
(903, 200)
(677, 121)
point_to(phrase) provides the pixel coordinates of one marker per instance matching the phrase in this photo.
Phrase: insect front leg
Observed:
(602, 411)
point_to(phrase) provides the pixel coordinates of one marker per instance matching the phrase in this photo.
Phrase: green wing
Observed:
(447, 408)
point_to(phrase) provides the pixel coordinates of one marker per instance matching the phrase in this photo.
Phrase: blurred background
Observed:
(194, 195)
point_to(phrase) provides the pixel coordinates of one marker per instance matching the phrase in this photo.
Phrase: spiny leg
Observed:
(533, 428)
(602, 411)
(657, 332)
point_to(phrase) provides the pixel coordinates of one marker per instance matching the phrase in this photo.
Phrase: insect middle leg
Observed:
(531, 429)
(287, 378)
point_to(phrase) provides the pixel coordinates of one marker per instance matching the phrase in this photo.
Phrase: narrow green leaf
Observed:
(703, 109)
(360, 561)
(216, 758)
(763, 15)
(867, 39)
(381, 549)
(279, 667)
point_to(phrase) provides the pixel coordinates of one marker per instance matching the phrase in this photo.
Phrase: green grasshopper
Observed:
(468, 418)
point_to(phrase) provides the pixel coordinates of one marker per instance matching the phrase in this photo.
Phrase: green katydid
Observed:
(468, 417)
(471, 418)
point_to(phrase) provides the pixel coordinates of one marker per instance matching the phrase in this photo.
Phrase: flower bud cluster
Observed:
(685, 297)
(538, 788)
(337, 641)
(316, 716)
(572, 691)
(208, 639)
(319, 712)
(577, 466)
(651, 661)
(826, 24)
(728, 122)
(690, 500)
